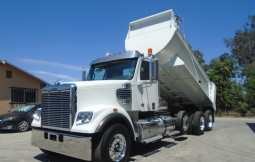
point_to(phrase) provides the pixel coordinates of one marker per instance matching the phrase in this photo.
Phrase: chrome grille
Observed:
(56, 109)
(58, 106)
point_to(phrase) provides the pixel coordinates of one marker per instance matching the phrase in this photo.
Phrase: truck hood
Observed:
(98, 93)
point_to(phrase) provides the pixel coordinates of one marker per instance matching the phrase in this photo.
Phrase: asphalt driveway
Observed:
(230, 140)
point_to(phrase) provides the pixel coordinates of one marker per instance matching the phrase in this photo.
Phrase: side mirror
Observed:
(43, 84)
(153, 69)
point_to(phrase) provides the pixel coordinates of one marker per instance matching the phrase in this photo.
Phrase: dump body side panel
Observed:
(181, 76)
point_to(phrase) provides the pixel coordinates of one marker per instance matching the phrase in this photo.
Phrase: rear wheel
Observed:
(182, 122)
(114, 145)
(208, 120)
(191, 122)
(199, 123)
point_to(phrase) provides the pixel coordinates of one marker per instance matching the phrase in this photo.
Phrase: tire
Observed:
(182, 122)
(116, 139)
(199, 123)
(208, 120)
(191, 122)
(23, 126)
(48, 152)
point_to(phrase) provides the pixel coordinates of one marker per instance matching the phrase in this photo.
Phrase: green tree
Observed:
(243, 44)
(243, 50)
(221, 71)
(238, 102)
(199, 56)
(249, 84)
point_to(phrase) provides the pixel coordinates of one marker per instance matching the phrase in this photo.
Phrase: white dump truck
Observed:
(117, 106)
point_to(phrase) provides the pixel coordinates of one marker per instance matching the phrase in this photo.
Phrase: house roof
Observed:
(4, 62)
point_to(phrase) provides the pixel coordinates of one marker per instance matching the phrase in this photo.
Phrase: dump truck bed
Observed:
(181, 77)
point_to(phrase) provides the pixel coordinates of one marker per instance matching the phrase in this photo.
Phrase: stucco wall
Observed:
(19, 79)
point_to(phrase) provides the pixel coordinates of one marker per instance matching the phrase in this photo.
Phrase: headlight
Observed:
(84, 117)
(9, 118)
(37, 114)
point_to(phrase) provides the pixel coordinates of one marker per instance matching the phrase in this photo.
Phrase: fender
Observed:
(112, 117)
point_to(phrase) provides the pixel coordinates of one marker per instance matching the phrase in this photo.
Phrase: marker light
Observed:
(119, 53)
(136, 51)
(150, 51)
(115, 109)
(115, 54)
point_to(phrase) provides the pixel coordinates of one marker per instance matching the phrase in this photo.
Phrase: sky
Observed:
(55, 39)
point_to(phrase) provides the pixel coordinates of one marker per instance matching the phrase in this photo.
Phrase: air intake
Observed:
(125, 93)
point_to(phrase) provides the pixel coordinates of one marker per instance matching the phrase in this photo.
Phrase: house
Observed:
(17, 87)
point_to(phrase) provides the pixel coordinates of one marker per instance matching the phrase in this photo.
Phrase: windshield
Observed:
(114, 70)
(23, 108)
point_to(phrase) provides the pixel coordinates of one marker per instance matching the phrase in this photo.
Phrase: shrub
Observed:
(219, 112)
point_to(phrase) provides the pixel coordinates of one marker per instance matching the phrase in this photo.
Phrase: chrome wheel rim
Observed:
(202, 123)
(23, 126)
(210, 123)
(185, 123)
(117, 149)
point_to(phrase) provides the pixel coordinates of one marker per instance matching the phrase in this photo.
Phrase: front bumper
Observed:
(71, 145)
(7, 126)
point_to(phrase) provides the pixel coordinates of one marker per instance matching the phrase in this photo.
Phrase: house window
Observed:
(144, 71)
(8, 74)
(23, 95)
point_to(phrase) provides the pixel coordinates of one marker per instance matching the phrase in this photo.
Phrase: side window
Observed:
(23, 95)
(144, 71)
(8, 74)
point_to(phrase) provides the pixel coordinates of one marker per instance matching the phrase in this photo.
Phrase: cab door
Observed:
(147, 92)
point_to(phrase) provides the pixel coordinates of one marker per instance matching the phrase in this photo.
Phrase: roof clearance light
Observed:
(108, 54)
(150, 51)
(115, 54)
(119, 53)
(136, 51)
(97, 58)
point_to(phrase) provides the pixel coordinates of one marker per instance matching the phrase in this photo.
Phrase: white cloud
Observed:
(42, 77)
(55, 64)
(59, 76)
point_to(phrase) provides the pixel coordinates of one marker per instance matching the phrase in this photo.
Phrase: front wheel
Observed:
(22, 126)
(114, 145)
